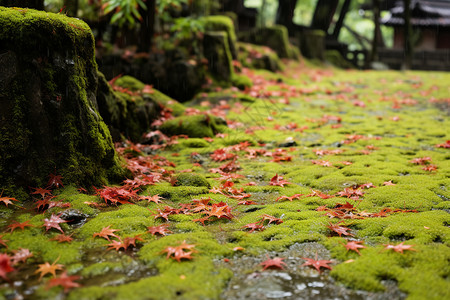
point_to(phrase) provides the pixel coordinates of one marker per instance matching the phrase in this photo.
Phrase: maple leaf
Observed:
(21, 255)
(22, 225)
(5, 265)
(341, 230)
(61, 238)
(178, 252)
(155, 198)
(278, 181)
(125, 243)
(388, 183)
(106, 232)
(254, 226)
(295, 196)
(55, 181)
(354, 245)
(41, 191)
(275, 263)
(3, 242)
(67, 282)
(7, 200)
(271, 219)
(317, 263)
(47, 268)
(221, 155)
(53, 222)
(399, 248)
(161, 229)
(319, 194)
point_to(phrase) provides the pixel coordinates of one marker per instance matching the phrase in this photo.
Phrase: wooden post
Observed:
(408, 45)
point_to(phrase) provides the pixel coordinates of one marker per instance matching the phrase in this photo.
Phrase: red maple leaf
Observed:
(67, 282)
(222, 154)
(275, 263)
(21, 255)
(5, 265)
(271, 219)
(53, 222)
(22, 225)
(55, 181)
(278, 181)
(254, 226)
(7, 200)
(161, 229)
(354, 245)
(296, 196)
(399, 248)
(178, 252)
(155, 198)
(319, 194)
(341, 230)
(41, 191)
(61, 238)
(317, 263)
(3, 242)
(106, 232)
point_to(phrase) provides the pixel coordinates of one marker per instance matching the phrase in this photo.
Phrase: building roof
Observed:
(424, 13)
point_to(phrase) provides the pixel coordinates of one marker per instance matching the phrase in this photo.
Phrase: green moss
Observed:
(241, 81)
(195, 143)
(336, 59)
(191, 179)
(222, 23)
(197, 126)
(176, 193)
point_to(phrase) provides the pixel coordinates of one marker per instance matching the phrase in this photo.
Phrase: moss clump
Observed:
(49, 94)
(259, 57)
(222, 23)
(191, 179)
(241, 81)
(336, 59)
(274, 37)
(197, 126)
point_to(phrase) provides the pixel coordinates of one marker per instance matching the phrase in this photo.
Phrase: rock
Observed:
(312, 44)
(259, 57)
(335, 58)
(274, 37)
(217, 52)
(223, 23)
(48, 117)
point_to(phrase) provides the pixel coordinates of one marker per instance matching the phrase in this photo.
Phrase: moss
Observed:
(54, 88)
(195, 143)
(176, 193)
(222, 23)
(336, 59)
(197, 126)
(241, 81)
(191, 179)
(259, 57)
(274, 37)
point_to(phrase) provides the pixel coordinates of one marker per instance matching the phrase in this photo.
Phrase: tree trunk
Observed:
(147, 26)
(285, 14)
(323, 14)
(340, 22)
(376, 31)
(408, 46)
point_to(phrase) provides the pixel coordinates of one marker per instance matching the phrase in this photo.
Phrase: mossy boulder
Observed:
(217, 52)
(191, 179)
(259, 57)
(197, 126)
(336, 59)
(223, 23)
(275, 37)
(126, 115)
(312, 44)
(49, 121)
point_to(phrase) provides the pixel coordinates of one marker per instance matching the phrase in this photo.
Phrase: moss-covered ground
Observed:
(317, 157)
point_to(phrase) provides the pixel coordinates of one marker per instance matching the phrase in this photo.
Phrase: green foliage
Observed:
(124, 12)
(165, 7)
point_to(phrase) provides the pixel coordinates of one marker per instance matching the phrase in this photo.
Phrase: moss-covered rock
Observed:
(336, 59)
(274, 37)
(217, 52)
(49, 122)
(259, 57)
(223, 23)
(312, 44)
(197, 126)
